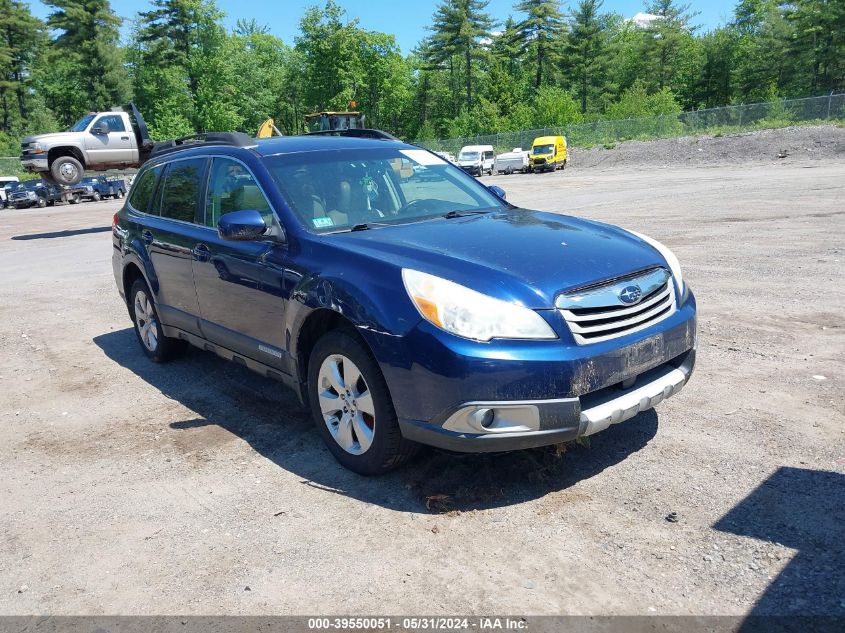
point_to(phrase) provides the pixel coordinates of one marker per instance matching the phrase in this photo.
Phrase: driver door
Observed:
(240, 284)
(109, 148)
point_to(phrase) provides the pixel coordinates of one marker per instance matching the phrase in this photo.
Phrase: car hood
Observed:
(55, 137)
(519, 255)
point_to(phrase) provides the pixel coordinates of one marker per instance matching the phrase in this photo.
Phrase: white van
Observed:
(477, 159)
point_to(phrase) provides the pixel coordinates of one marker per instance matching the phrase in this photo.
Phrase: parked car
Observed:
(7, 183)
(97, 188)
(37, 193)
(477, 159)
(98, 141)
(448, 156)
(509, 162)
(548, 153)
(401, 312)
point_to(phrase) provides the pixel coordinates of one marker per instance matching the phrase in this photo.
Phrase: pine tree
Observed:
(542, 30)
(585, 53)
(85, 57)
(460, 28)
(21, 40)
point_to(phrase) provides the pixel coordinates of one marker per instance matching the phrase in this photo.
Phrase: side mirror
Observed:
(499, 192)
(100, 128)
(242, 225)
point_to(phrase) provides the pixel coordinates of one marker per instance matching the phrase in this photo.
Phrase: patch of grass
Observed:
(610, 146)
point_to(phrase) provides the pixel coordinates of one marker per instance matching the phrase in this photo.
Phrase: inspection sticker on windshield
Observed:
(322, 223)
(422, 157)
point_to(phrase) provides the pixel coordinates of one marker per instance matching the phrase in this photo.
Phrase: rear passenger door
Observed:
(239, 283)
(170, 233)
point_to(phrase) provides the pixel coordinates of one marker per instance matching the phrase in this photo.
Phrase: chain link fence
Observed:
(724, 120)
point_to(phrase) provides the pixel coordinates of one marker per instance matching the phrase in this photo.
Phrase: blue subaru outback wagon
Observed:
(404, 301)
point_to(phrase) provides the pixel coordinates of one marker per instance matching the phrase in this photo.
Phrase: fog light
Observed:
(482, 419)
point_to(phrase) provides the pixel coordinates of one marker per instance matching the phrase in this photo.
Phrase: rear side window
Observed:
(142, 191)
(180, 191)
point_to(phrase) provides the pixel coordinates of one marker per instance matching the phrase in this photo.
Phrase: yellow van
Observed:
(547, 154)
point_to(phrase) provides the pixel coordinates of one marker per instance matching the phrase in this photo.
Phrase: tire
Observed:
(383, 448)
(66, 170)
(157, 347)
(119, 194)
(75, 199)
(42, 202)
(96, 197)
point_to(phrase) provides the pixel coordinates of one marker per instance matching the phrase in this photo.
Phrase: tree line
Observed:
(545, 65)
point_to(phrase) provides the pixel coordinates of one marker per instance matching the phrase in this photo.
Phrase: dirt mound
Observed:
(787, 144)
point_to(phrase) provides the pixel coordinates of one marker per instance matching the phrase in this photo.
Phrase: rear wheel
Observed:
(96, 197)
(352, 408)
(154, 343)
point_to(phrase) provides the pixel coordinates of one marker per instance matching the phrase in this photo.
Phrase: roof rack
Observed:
(355, 133)
(234, 139)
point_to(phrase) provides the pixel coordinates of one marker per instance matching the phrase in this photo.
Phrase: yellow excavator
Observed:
(320, 122)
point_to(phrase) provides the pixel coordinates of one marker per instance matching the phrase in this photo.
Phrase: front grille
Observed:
(598, 314)
(539, 161)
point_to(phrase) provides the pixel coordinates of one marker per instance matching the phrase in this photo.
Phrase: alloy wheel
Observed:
(145, 321)
(346, 404)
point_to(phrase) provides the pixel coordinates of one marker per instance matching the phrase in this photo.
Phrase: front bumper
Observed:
(34, 162)
(472, 170)
(541, 392)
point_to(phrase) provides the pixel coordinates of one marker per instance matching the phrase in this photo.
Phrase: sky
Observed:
(406, 19)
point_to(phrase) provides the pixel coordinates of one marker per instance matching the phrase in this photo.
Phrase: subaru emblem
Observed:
(630, 295)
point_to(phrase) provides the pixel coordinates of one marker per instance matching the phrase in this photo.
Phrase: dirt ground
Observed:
(200, 488)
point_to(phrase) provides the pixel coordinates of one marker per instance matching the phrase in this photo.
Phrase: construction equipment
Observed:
(328, 121)
(268, 129)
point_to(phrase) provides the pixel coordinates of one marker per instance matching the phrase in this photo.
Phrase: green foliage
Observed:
(85, 65)
(577, 71)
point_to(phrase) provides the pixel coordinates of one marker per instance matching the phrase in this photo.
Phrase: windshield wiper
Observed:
(460, 214)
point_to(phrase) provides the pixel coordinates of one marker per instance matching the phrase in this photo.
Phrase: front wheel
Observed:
(154, 343)
(42, 202)
(66, 170)
(352, 408)
(96, 197)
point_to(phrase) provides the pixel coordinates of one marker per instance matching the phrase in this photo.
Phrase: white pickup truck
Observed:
(99, 141)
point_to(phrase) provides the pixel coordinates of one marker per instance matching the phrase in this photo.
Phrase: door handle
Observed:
(147, 237)
(201, 253)
(124, 138)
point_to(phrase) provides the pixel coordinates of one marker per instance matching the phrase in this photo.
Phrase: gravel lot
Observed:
(200, 488)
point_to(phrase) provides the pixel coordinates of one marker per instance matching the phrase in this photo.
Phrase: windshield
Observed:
(88, 181)
(28, 184)
(336, 190)
(468, 156)
(543, 149)
(82, 123)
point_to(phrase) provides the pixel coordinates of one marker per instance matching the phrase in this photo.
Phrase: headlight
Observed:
(465, 312)
(37, 148)
(669, 256)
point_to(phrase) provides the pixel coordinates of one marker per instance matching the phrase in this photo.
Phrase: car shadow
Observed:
(269, 417)
(805, 510)
(55, 234)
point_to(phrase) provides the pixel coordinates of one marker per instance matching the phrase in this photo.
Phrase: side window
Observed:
(142, 191)
(180, 192)
(114, 121)
(232, 188)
